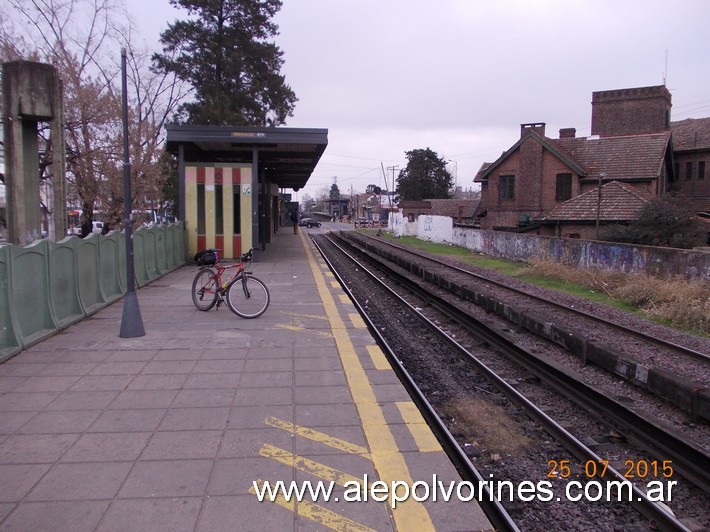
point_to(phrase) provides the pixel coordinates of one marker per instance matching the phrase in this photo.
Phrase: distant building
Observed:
(569, 185)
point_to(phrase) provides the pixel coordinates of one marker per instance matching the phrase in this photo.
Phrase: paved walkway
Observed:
(169, 431)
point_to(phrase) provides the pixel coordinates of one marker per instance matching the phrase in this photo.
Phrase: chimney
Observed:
(537, 127)
(568, 133)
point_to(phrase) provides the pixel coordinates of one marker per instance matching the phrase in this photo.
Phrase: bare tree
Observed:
(83, 39)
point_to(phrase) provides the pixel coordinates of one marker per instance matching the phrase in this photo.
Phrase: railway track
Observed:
(675, 372)
(576, 448)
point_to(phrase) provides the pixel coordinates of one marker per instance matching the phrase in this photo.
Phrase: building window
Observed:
(564, 187)
(201, 209)
(701, 170)
(507, 187)
(236, 212)
(688, 171)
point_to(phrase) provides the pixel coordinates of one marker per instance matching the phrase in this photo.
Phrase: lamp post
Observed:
(602, 175)
(456, 175)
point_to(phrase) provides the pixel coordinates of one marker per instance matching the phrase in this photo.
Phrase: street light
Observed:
(456, 175)
(602, 175)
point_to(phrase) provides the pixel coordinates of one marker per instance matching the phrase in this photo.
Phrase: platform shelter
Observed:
(230, 180)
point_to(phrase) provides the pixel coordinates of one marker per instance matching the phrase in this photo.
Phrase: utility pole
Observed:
(393, 168)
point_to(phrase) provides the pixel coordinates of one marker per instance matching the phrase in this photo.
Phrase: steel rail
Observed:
(589, 398)
(493, 509)
(633, 332)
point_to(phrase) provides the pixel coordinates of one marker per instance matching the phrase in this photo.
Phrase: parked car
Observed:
(363, 222)
(309, 222)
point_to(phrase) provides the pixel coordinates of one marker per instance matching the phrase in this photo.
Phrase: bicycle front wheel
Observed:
(248, 297)
(205, 289)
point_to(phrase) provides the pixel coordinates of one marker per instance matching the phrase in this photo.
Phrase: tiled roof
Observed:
(619, 202)
(479, 175)
(627, 157)
(450, 207)
(691, 134)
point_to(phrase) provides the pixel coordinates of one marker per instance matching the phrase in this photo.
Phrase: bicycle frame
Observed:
(221, 268)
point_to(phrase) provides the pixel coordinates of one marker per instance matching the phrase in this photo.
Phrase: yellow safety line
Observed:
(311, 316)
(308, 466)
(420, 431)
(317, 513)
(386, 456)
(335, 284)
(345, 299)
(378, 357)
(317, 436)
(302, 329)
(357, 321)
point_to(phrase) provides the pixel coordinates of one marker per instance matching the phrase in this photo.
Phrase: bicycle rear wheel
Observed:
(205, 289)
(248, 297)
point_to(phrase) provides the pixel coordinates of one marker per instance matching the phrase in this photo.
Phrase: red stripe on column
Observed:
(237, 245)
(201, 174)
(236, 175)
(201, 242)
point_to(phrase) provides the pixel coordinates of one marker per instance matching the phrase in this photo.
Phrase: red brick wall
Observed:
(631, 111)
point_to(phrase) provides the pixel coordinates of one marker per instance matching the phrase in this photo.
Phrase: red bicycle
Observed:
(245, 295)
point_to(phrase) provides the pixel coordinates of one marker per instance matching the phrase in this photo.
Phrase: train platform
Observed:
(185, 427)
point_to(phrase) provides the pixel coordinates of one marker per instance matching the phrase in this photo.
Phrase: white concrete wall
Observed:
(435, 228)
(401, 226)
(589, 254)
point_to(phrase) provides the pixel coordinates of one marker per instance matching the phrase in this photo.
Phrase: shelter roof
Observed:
(286, 156)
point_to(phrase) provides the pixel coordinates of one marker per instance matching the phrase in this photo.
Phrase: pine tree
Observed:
(424, 177)
(223, 51)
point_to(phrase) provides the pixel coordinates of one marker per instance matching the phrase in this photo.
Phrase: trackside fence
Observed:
(47, 286)
(590, 254)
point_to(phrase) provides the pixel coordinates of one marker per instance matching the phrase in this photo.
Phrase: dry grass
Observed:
(680, 303)
(488, 424)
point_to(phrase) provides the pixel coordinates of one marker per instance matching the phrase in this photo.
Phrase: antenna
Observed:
(665, 70)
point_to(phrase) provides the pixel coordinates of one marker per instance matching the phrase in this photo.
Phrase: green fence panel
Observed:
(109, 257)
(29, 292)
(149, 255)
(63, 282)
(9, 341)
(87, 253)
(161, 256)
(180, 248)
(141, 272)
(170, 247)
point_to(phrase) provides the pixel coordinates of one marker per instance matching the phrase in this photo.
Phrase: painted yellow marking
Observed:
(386, 456)
(335, 284)
(329, 274)
(378, 357)
(357, 321)
(308, 466)
(302, 329)
(317, 436)
(316, 513)
(311, 316)
(420, 431)
(345, 299)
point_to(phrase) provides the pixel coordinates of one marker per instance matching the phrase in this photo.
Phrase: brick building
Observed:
(537, 184)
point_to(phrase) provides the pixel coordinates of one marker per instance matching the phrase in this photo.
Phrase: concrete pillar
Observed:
(30, 95)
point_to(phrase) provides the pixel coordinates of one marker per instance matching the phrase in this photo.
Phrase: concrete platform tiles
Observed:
(171, 431)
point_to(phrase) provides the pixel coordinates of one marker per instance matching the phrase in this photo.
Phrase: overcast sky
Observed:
(460, 76)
